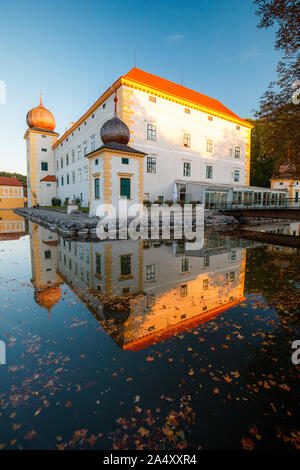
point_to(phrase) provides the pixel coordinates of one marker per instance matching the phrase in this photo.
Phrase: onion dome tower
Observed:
(115, 130)
(40, 118)
(40, 137)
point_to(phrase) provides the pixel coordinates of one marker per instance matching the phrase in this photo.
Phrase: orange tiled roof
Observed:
(158, 84)
(49, 178)
(178, 91)
(6, 181)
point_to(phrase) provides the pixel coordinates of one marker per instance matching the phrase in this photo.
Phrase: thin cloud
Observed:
(174, 37)
(250, 53)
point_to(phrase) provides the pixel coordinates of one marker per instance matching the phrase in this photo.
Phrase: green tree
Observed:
(279, 115)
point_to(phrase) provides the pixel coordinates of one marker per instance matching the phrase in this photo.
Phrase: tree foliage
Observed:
(278, 115)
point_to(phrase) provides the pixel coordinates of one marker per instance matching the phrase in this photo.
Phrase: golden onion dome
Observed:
(41, 118)
(48, 297)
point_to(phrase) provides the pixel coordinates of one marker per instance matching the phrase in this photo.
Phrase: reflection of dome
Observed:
(41, 118)
(115, 130)
(48, 297)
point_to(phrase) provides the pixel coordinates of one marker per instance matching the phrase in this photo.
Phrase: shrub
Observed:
(66, 201)
(56, 201)
(78, 201)
(169, 202)
(147, 203)
(157, 202)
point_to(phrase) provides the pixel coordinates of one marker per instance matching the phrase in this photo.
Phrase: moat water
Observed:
(147, 345)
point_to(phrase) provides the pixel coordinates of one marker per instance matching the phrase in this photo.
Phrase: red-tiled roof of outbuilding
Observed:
(7, 181)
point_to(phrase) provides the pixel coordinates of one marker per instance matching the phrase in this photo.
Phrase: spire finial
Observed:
(41, 101)
(115, 100)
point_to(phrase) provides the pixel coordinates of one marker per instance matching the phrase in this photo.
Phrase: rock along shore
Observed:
(80, 225)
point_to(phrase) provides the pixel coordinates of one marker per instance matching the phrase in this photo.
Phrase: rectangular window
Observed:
(96, 161)
(92, 143)
(125, 187)
(62, 180)
(73, 177)
(185, 265)
(205, 284)
(68, 179)
(150, 272)
(237, 152)
(151, 132)
(236, 176)
(61, 162)
(233, 255)
(209, 145)
(97, 188)
(73, 156)
(79, 175)
(79, 152)
(206, 261)
(98, 264)
(57, 165)
(151, 164)
(44, 166)
(47, 254)
(125, 161)
(44, 150)
(209, 172)
(183, 290)
(67, 159)
(187, 140)
(125, 265)
(232, 276)
(85, 173)
(84, 148)
(187, 167)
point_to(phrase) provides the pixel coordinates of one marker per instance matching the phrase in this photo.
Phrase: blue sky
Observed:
(73, 50)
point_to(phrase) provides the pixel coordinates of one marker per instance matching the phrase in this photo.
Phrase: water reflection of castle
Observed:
(12, 226)
(141, 292)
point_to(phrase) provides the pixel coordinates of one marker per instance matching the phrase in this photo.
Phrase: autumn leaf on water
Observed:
(30, 435)
(284, 387)
(143, 432)
(227, 379)
(247, 443)
(68, 404)
(92, 440)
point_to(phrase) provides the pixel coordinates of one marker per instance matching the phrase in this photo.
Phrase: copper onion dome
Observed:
(115, 130)
(41, 118)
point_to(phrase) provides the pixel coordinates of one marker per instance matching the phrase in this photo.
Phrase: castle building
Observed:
(177, 141)
(288, 178)
(11, 193)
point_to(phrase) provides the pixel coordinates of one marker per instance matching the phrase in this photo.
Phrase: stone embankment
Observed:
(79, 224)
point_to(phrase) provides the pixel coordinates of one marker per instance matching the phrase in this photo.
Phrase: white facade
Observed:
(183, 141)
